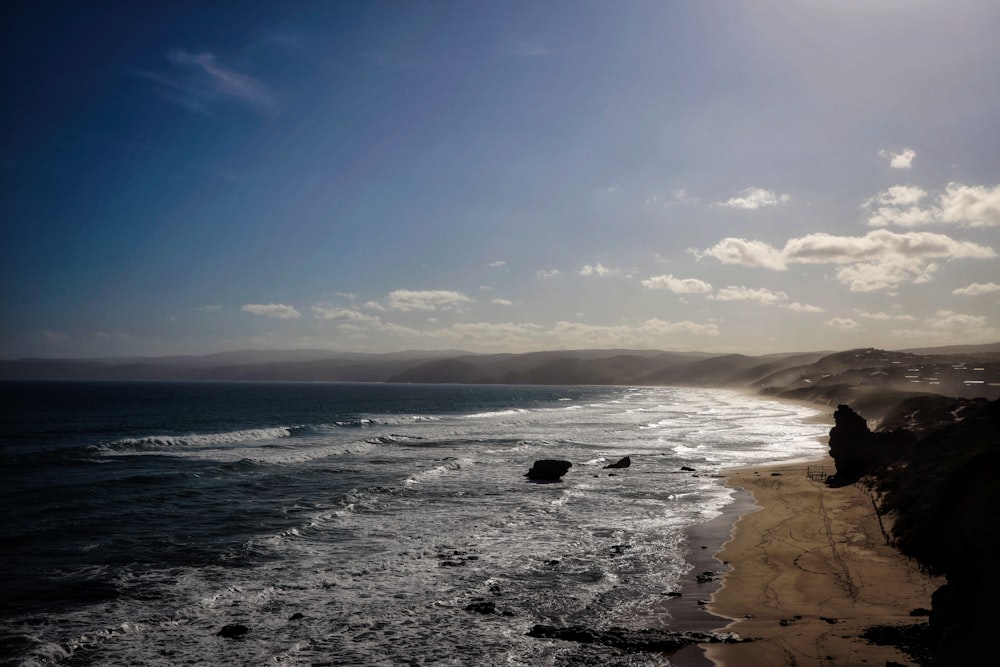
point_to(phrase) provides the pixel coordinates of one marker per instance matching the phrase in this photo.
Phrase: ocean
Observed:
(357, 524)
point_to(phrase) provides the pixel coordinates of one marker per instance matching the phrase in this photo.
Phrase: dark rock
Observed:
(687, 469)
(633, 641)
(856, 450)
(485, 607)
(233, 631)
(296, 616)
(623, 462)
(706, 577)
(548, 470)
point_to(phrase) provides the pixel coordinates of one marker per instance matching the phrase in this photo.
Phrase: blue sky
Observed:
(499, 176)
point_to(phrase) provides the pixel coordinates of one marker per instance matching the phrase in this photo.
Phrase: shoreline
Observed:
(809, 573)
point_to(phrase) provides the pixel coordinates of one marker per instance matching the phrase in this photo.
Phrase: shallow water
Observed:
(353, 524)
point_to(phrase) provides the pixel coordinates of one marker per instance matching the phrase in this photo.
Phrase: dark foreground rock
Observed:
(857, 451)
(623, 462)
(633, 641)
(548, 470)
(233, 631)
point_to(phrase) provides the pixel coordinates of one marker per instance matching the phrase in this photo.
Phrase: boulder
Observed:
(233, 631)
(548, 470)
(623, 462)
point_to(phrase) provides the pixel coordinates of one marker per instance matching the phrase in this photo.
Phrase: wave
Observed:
(156, 442)
(496, 413)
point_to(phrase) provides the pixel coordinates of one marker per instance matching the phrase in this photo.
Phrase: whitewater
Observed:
(348, 524)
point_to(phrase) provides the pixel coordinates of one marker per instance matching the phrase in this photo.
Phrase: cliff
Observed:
(938, 482)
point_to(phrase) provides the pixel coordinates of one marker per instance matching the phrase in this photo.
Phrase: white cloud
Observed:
(844, 323)
(948, 319)
(651, 333)
(740, 293)
(550, 273)
(502, 302)
(600, 271)
(902, 160)
(883, 316)
(971, 205)
(975, 289)
(273, 310)
(498, 264)
(341, 314)
(427, 300)
(678, 285)
(963, 205)
(374, 305)
(875, 276)
(878, 260)
(879, 245)
(903, 217)
(803, 308)
(751, 199)
(745, 253)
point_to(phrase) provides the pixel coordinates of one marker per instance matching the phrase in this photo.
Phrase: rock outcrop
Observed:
(856, 450)
(633, 641)
(548, 470)
(623, 462)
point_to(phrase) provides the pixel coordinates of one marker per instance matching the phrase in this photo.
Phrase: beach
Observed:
(810, 572)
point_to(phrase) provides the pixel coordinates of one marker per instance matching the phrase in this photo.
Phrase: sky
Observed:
(505, 176)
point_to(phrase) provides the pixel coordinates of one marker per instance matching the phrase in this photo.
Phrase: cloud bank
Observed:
(878, 260)
(277, 311)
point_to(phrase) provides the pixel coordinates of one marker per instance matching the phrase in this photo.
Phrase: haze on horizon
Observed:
(754, 176)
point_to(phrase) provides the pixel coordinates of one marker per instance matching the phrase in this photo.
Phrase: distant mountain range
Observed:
(820, 377)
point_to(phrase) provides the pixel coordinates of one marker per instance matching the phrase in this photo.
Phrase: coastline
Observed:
(810, 572)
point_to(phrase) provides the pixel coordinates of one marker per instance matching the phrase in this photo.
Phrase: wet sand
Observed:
(810, 573)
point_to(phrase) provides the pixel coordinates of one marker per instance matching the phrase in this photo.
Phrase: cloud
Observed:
(975, 289)
(875, 276)
(745, 253)
(223, 80)
(600, 271)
(341, 314)
(903, 217)
(883, 316)
(740, 293)
(550, 273)
(678, 285)
(652, 332)
(900, 195)
(273, 310)
(959, 204)
(374, 305)
(406, 300)
(880, 259)
(498, 264)
(751, 199)
(199, 81)
(971, 205)
(802, 308)
(902, 160)
(502, 302)
(844, 323)
(948, 319)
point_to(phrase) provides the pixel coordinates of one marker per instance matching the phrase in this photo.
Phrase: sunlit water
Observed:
(353, 524)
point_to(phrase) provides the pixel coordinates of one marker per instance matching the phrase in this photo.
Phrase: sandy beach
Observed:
(810, 572)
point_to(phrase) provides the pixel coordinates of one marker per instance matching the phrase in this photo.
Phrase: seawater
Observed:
(353, 524)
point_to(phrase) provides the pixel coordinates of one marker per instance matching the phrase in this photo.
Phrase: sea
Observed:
(358, 524)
